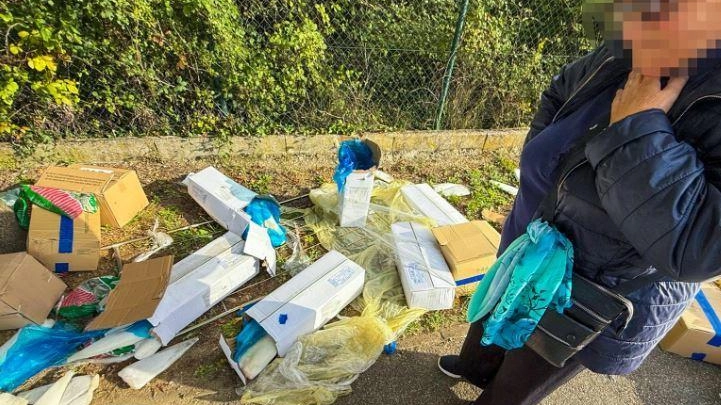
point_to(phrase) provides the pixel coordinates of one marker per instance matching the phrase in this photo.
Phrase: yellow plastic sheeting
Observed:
(323, 364)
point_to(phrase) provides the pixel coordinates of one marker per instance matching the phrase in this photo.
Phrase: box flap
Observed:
(467, 241)
(9, 263)
(137, 295)
(75, 179)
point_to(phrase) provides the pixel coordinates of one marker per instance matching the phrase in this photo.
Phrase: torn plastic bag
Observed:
(251, 333)
(60, 202)
(8, 197)
(38, 348)
(265, 211)
(298, 260)
(452, 190)
(84, 300)
(161, 240)
(352, 155)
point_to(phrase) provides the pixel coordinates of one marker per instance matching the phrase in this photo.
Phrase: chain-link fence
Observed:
(227, 67)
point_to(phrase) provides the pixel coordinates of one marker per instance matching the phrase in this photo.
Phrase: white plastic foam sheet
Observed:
(427, 280)
(79, 391)
(225, 200)
(10, 399)
(422, 198)
(188, 298)
(309, 300)
(141, 372)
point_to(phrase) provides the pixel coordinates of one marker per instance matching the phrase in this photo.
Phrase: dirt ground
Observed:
(202, 376)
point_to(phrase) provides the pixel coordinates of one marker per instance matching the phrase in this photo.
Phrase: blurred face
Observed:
(666, 37)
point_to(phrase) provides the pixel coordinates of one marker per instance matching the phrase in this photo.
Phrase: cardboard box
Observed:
(28, 291)
(697, 335)
(354, 201)
(118, 191)
(470, 250)
(188, 298)
(63, 244)
(137, 295)
(309, 300)
(225, 200)
(425, 200)
(427, 280)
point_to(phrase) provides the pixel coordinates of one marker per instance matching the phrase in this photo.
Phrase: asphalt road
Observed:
(410, 377)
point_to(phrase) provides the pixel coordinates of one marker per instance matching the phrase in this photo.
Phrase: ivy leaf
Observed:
(40, 63)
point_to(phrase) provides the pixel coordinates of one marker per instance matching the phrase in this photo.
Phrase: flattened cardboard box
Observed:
(119, 192)
(427, 280)
(697, 335)
(28, 291)
(63, 244)
(354, 201)
(470, 250)
(137, 295)
(424, 199)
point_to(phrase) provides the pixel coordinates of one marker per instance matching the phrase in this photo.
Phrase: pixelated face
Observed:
(664, 37)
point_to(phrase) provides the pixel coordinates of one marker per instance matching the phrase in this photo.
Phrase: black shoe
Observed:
(450, 366)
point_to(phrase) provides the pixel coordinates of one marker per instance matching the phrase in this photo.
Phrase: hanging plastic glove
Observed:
(266, 213)
(531, 276)
(352, 155)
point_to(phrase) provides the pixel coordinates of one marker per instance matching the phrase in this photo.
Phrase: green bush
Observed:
(107, 68)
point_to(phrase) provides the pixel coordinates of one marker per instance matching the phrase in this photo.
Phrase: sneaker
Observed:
(449, 366)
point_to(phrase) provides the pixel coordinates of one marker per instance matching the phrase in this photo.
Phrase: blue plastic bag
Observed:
(352, 155)
(38, 348)
(533, 274)
(250, 335)
(266, 213)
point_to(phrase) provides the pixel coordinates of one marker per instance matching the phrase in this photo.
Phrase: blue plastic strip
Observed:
(62, 267)
(712, 318)
(698, 356)
(469, 280)
(65, 238)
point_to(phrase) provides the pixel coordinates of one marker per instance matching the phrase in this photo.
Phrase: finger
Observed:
(650, 82)
(675, 86)
(634, 78)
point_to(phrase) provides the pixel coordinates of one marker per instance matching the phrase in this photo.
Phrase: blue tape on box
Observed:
(698, 356)
(712, 318)
(469, 280)
(65, 235)
(62, 267)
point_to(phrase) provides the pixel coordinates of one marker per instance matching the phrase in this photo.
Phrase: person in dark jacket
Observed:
(644, 201)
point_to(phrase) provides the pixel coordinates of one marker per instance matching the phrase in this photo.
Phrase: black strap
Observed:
(576, 156)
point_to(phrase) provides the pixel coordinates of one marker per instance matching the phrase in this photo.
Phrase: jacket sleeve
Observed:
(654, 189)
(551, 100)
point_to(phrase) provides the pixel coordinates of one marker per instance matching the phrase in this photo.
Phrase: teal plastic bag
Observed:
(532, 275)
(265, 212)
(352, 155)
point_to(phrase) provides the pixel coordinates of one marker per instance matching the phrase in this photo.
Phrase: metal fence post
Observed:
(451, 63)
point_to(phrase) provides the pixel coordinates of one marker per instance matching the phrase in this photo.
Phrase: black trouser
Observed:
(510, 377)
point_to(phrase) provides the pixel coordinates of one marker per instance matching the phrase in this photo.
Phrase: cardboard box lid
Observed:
(469, 241)
(137, 295)
(78, 180)
(27, 287)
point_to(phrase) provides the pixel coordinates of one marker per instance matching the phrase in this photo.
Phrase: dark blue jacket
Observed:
(646, 199)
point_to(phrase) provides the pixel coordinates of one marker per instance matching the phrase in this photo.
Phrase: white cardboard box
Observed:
(309, 300)
(189, 297)
(225, 200)
(203, 255)
(427, 280)
(428, 202)
(355, 199)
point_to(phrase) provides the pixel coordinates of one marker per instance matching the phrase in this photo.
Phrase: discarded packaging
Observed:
(113, 341)
(55, 393)
(63, 244)
(84, 300)
(355, 178)
(141, 372)
(257, 357)
(203, 255)
(697, 335)
(28, 291)
(137, 295)
(452, 190)
(470, 250)
(147, 347)
(79, 391)
(10, 399)
(303, 304)
(505, 187)
(191, 296)
(429, 203)
(427, 280)
(225, 201)
(160, 240)
(8, 197)
(118, 191)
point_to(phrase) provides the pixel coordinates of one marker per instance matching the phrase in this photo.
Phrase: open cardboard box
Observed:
(354, 200)
(304, 303)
